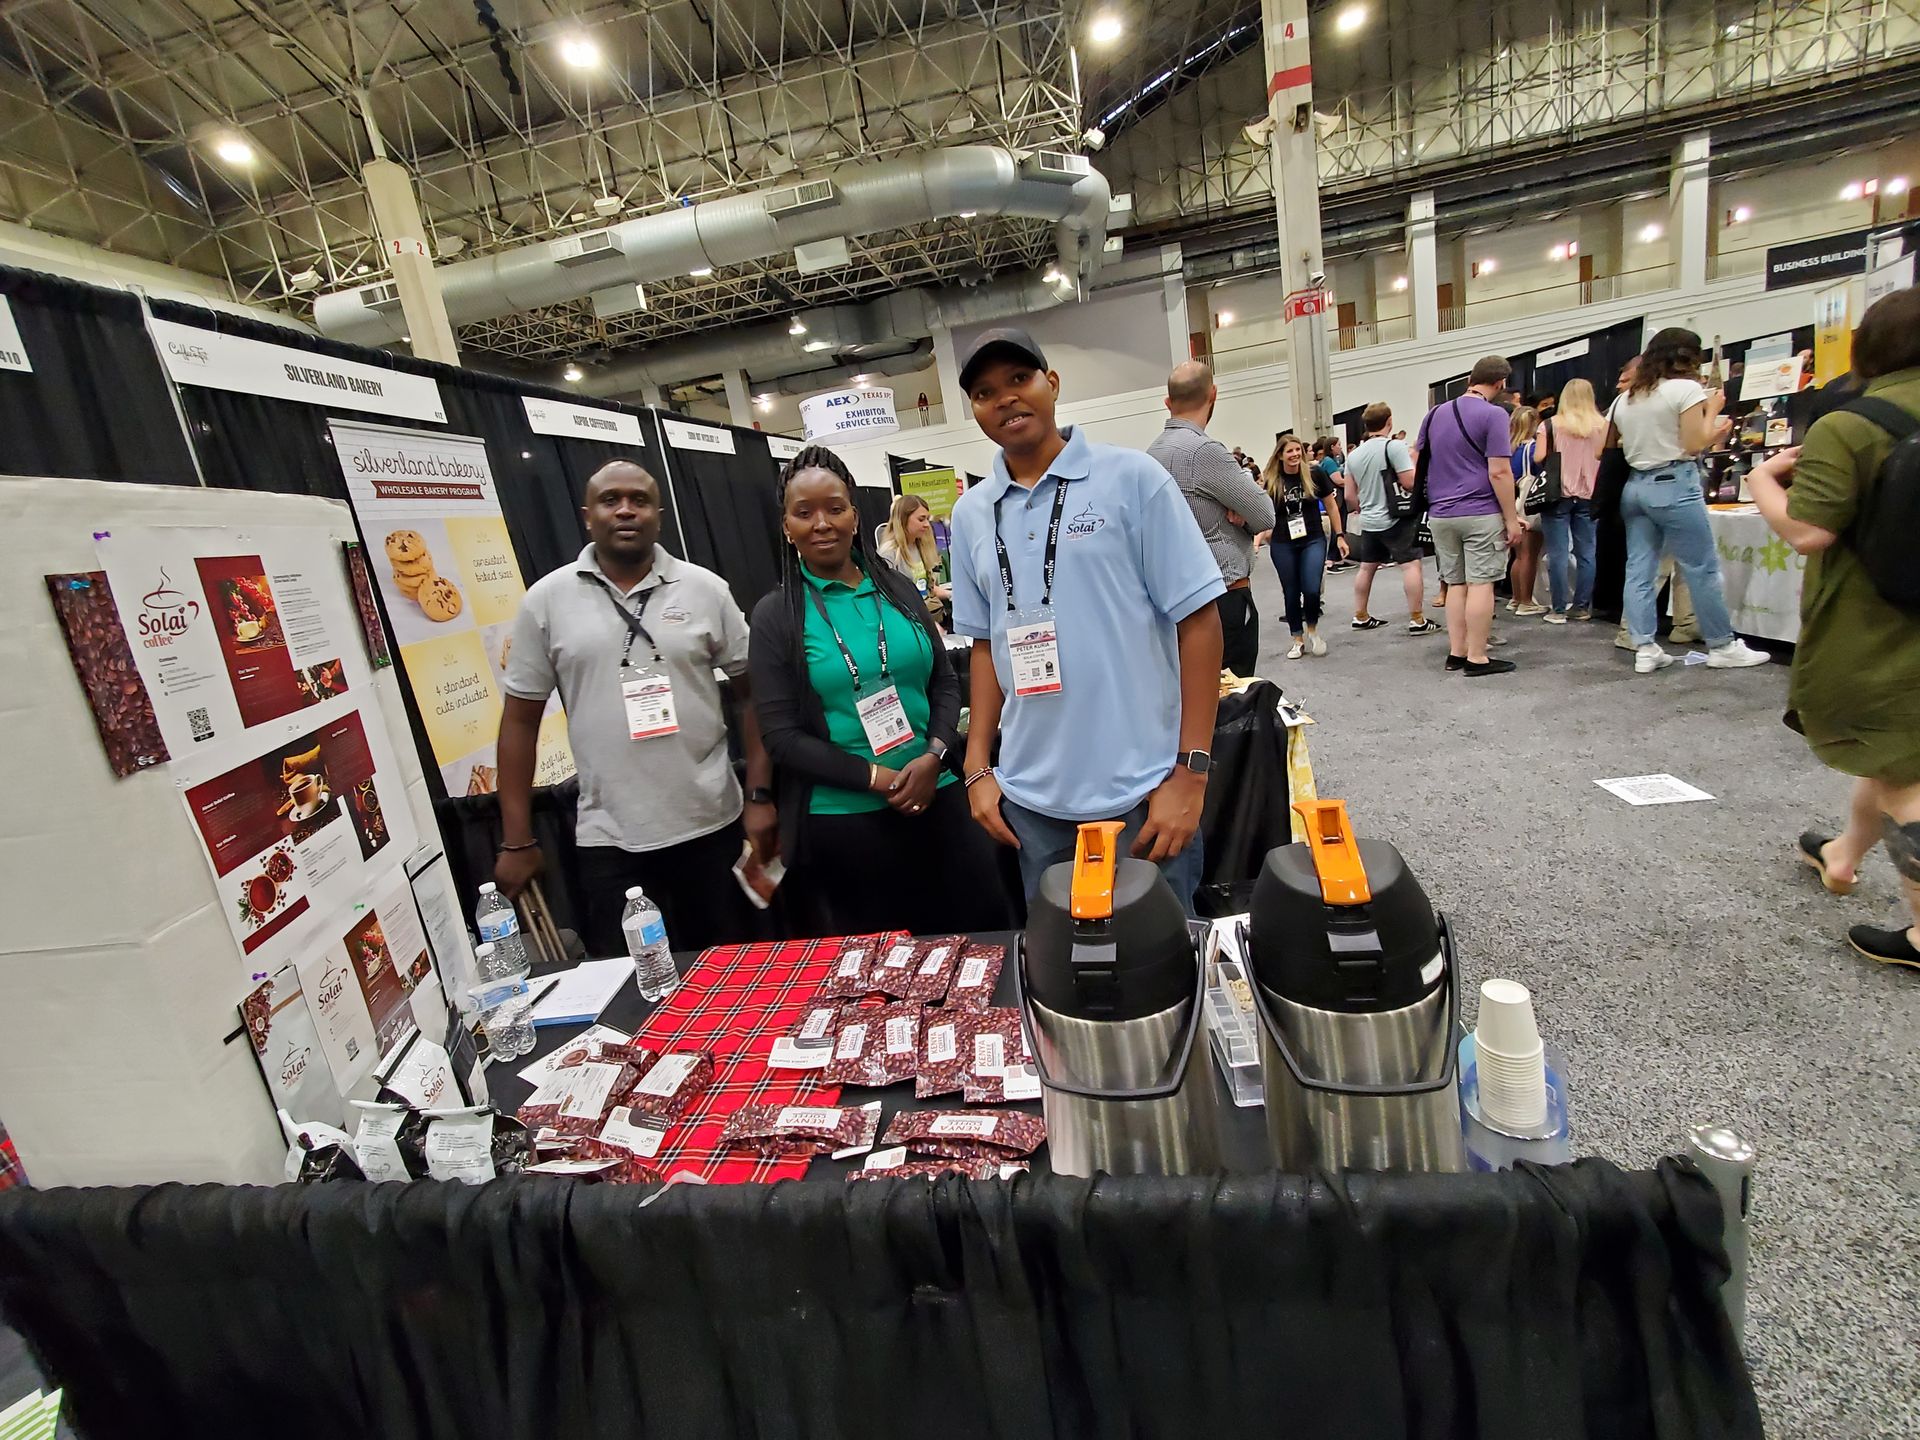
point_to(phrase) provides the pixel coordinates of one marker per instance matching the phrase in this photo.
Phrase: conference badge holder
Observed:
(1296, 527)
(648, 696)
(1033, 651)
(884, 720)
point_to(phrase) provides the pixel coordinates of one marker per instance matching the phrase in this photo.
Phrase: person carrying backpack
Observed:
(1849, 500)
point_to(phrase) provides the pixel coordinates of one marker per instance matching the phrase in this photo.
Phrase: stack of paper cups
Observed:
(1511, 1061)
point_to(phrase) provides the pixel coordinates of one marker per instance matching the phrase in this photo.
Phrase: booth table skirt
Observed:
(1761, 574)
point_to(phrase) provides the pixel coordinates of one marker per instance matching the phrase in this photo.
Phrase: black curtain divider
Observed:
(729, 517)
(95, 406)
(1607, 351)
(1578, 1302)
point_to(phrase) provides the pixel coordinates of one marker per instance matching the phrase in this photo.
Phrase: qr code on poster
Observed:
(200, 723)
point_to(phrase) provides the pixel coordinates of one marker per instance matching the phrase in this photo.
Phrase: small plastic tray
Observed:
(1234, 1034)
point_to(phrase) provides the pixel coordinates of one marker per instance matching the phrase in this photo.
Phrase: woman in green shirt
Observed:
(1855, 692)
(860, 710)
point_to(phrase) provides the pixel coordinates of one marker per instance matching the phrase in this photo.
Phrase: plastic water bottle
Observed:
(505, 1008)
(646, 932)
(499, 926)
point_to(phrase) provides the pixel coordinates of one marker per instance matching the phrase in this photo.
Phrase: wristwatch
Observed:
(1198, 761)
(760, 795)
(937, 748)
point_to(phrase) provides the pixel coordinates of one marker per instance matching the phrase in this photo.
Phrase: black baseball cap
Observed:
(999, 344)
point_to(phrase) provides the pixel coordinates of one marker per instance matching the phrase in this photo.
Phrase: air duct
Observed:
(937, 185)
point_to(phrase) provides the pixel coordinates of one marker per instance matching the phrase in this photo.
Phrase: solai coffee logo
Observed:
(1084, 524)
(166, 614)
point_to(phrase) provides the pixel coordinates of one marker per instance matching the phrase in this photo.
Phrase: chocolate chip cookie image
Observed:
(440, 599)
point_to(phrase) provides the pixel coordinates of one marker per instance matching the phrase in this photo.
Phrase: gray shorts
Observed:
(1469, 549)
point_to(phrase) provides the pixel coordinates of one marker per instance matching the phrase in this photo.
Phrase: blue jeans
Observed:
(1301, 566)
(1569, 527)
(1664, 508)
(1045, 842)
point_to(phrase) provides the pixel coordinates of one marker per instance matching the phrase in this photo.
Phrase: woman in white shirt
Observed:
(906, 543)
(1663, 421)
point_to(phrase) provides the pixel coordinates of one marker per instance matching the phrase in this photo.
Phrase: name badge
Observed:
(1296, 527)
(884, 720)
(1033, 650)
(648, 696)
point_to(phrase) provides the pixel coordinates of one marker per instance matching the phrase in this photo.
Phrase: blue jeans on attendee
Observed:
(1665, 508)
(1302, 567)
(1569, 527)
(1045, 842)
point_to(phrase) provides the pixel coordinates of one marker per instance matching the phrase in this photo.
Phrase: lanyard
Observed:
(1053, 545)
(880, 623)
(631, 618)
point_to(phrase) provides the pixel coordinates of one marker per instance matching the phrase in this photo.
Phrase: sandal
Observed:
(1812, 851)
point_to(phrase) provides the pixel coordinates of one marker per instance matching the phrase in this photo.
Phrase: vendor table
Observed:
(1243, 1131)
(1760, 573)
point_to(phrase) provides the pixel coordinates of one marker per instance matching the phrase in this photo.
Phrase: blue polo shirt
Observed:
(1132, 564)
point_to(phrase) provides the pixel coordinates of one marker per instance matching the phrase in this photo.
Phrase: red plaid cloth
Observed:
(11, 1172)
(735, 1001)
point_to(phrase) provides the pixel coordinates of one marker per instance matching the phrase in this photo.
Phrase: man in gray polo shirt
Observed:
(631, 636)
(1230, 505)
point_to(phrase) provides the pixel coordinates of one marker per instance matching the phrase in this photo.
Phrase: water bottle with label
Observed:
(646, 932)
(499, 926)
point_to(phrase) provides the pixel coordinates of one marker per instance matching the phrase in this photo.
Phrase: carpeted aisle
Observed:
(1690, 968)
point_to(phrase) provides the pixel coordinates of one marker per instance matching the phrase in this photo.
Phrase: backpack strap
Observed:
(1883, 413)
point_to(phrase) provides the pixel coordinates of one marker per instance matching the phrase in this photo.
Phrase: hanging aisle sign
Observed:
(581, 422)
(13, 354)
(782, 448)
(1831, 257)
(1572, 350)
(255, 367)
(841, 414)
(683, 436)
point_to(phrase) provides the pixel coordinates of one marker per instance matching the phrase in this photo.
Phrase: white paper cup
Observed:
(1513, 1092)
(1506, 1025)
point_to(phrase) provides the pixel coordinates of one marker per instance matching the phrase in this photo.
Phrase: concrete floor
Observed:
(1691, 969)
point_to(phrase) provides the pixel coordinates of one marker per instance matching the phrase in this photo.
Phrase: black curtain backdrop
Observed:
(95, 405)
(1577, 1302)
(729, 517)
(1607, 351)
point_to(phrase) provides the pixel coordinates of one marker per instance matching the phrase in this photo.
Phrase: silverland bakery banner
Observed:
(440, 554)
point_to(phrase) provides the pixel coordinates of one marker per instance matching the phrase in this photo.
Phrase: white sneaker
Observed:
(1529, 609)
(1736, 655)
(1555, 617)
(1299, 649)
(1649, 658)
(1316, 646)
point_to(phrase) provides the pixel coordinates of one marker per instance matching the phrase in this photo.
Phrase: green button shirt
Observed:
(856, 613)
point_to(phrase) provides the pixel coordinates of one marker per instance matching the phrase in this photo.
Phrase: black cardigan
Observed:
(793, 722)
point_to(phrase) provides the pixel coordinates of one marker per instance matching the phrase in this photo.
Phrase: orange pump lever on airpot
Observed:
(1336, 854)
(1094, 857)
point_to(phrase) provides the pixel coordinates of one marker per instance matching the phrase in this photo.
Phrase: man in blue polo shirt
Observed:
(1087, 588)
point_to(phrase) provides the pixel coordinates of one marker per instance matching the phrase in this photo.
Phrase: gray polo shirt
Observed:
(1213, 483)
(636, 794)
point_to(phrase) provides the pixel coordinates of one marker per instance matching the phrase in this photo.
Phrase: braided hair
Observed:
(887, 582)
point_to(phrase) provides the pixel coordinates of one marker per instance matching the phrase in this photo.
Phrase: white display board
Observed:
(119, 972)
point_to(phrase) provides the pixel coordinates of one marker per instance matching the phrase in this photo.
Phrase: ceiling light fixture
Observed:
(968, 214)
(1225, 317)
(1399, 282)
(798, 327)
(361, 269)
(1852, 190)
(1487, 267)
(574, 374)
(1094, 137)
(765, 402)
(1650, 233)
(1896, 186)
(1740, 215)
(701, 273)
(1106, 28)
(234, 149)
(862, 381)
(1349, 20)
(1559, 252)
(581, 52)
(814, 347)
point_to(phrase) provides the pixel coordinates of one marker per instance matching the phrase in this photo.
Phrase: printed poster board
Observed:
(445, 567)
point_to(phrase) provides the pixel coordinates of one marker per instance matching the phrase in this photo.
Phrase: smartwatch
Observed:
(760, 795)
(1198, 761)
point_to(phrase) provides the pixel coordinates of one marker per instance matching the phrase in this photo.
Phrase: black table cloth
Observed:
(1546, 1303)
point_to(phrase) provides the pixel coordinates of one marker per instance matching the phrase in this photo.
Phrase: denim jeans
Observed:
(1569, 526)
(1664, 507)
(1301, 566)
(1045, 842)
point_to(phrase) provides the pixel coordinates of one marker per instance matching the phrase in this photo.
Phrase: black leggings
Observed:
(692, 883)
(930, 874)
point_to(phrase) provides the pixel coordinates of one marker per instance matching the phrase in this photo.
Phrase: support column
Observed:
(1173, 288)
(739, 397)
(396, 215)
(955, 408)
(1689, 219)
(1423, 266)
(1296, 193)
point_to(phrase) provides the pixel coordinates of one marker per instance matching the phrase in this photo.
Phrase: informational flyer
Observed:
(341, 1020)
(446, 570)
(281, 1030)
(231, 629)
(306, 825)
(386, 948)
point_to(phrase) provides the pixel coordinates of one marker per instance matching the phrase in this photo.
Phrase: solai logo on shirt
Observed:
(1084, 524)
